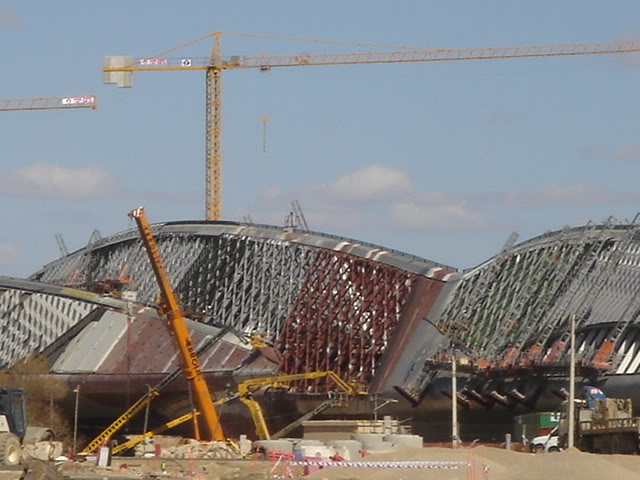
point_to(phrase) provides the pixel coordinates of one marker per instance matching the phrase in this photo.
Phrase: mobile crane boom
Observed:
(171, 309)
(282, 381)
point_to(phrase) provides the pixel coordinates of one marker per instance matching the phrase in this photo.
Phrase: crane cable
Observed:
(292, 39)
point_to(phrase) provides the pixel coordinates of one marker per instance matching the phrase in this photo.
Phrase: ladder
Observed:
(462, 309)
(601, 275)
(602, 357)
(561, 262)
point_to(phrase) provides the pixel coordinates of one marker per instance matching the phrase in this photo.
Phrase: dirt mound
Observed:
(571, 465)
(414, 454)
(503, 465)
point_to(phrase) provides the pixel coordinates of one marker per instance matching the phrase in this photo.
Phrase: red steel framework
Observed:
(343, 318)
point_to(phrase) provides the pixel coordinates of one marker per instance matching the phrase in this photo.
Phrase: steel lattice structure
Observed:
(509, 318)
(522, 313)
(325, 302)
(33, 316)
(377, 317)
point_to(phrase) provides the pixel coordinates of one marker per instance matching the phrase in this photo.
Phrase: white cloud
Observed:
(371, 196)
(573, 195)
(444, 217)
(374, 182)
(503, 117)
(623, 153)
(629, 153)
(9, 254)
(8, 19)
(271, 192)
(54, 181)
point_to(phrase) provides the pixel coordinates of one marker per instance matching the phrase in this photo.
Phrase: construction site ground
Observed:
(502, 465)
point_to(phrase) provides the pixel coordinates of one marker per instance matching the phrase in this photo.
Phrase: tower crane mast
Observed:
(119, 69)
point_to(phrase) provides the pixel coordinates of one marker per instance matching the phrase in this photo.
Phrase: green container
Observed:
(530, 425)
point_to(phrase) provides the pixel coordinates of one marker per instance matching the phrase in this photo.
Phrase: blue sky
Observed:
(441, 160)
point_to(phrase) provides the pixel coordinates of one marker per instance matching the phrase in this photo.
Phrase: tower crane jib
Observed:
(48, 103)
(119, 70)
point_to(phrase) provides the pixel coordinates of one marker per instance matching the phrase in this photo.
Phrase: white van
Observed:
(545, 443)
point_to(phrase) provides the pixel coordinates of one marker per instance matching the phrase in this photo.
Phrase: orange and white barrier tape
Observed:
(439, 465)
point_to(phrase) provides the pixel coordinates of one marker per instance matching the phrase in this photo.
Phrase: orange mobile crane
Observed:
(171, 310)
(118, 70)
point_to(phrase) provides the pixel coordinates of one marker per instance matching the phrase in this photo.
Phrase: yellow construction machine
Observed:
(248, 387)
(171, 310)
(244, 394)
(191, 370)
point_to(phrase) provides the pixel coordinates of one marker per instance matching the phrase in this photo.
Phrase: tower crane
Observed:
(119, 70)
(48, 103)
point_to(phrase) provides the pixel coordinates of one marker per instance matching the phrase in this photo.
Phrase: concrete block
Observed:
(317, 451)
(284, 446)
(352, 446)
(379, 447)
(368, 439)
(302, 442)
(345, 453)
(43, 450)
(415, 441)
(245, 445)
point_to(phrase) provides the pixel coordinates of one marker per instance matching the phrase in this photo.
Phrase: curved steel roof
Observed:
(322, 299)
(523, 296)
(266, 233)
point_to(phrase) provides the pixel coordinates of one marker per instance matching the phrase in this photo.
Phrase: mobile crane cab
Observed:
(15, 433)
(13, 425)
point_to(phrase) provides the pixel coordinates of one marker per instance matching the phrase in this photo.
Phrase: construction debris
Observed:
(44, 451)
(192, 449)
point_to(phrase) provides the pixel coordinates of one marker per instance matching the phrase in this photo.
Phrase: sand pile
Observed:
(503, 465)
(565, 465)
(412, 454)
(10, 475)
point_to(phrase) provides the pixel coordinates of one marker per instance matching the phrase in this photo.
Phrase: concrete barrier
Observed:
(415, 441)
(284, 446)
(352, 447)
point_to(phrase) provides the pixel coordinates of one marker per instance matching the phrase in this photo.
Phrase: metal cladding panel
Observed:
(216, 357)
(357, 250)
(31, 321)
(398, 356)
(226, 356)
(91, 347)
(144, 346)
(35, 315)
(118, 344)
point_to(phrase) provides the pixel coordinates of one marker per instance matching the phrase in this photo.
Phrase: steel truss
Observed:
(513, 311)
(323, 301)
(343, 317)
